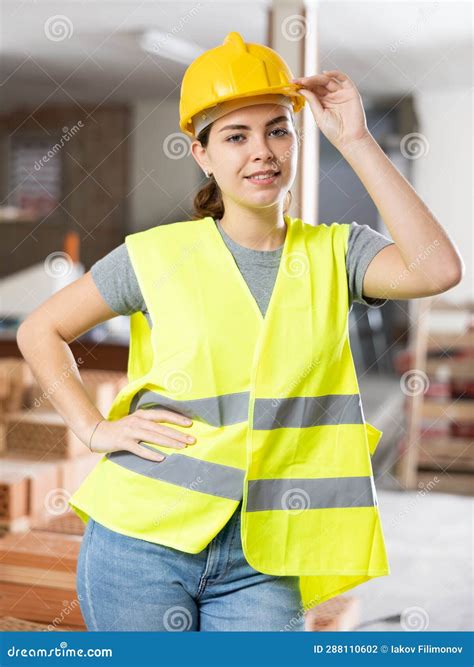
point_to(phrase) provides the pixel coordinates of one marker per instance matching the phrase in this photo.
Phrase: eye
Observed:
(235, 136)
(280, 129)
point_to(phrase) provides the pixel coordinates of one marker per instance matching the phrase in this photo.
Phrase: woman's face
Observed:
(248, 140)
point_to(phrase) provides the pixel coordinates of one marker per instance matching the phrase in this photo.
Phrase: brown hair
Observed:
(208, 200)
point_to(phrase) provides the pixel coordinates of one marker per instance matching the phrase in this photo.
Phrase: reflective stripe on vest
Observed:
(263, 494)
(212, 478)
(269, 413)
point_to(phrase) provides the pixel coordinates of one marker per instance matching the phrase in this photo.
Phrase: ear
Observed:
(199, 153)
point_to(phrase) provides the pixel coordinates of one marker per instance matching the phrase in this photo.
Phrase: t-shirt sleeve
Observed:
(364, 243)
(117, 283)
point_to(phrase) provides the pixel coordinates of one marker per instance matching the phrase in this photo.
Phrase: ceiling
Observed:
(89, 51)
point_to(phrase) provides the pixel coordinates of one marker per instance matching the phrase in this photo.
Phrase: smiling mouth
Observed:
(263, 180)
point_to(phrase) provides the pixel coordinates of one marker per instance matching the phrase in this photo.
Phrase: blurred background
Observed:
(91, 150)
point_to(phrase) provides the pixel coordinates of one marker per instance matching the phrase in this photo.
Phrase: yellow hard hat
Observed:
(231, 71)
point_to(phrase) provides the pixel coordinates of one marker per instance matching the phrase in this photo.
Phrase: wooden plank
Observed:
(461, 410)
(41, 604)
(12, 624)
(450, 341)
(36, 576)
(454, 482)
(38, 549)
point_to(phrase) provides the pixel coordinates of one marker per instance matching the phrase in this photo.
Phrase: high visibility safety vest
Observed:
(275, 405)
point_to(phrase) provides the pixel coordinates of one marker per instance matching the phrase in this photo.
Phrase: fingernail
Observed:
(190, 438)
(187, 421)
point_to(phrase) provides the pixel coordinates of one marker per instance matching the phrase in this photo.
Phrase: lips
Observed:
(266, 174)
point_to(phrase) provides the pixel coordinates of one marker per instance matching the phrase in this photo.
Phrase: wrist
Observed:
(91, 431)
(355, 145)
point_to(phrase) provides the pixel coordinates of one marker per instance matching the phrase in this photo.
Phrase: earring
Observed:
(207, 174)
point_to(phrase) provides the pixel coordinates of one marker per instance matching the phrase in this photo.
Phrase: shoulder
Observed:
(162, 231)
(364, 243)
(333, 236)
(115, 279)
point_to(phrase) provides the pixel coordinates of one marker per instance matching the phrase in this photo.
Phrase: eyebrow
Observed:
(279, 119)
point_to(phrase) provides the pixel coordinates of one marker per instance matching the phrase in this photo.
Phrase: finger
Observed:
(154, 438)
(335, 73)
(172, 433)
(333, 85)
(145, 453)
(161, 414)
(316, 78)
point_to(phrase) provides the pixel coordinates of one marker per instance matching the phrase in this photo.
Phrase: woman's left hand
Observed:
(336, 106)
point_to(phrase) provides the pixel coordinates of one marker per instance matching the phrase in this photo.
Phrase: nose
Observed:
(261, 151)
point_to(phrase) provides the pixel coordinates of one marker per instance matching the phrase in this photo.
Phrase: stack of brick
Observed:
(42, 462)
(101, 387)
(38, 579)
(12, 624)
(335, 615)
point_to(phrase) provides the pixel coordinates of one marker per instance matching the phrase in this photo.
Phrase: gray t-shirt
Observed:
(116, 280)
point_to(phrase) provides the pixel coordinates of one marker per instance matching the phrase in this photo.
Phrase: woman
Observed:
(239, 341)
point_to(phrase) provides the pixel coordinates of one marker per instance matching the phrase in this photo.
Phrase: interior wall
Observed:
(164, 174)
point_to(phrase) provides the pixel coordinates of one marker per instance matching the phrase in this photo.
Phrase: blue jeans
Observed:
(133, 585)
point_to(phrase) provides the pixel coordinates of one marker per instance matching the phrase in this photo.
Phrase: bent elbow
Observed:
(452, 279)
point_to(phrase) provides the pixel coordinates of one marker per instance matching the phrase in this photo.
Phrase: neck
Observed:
(262, 230)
